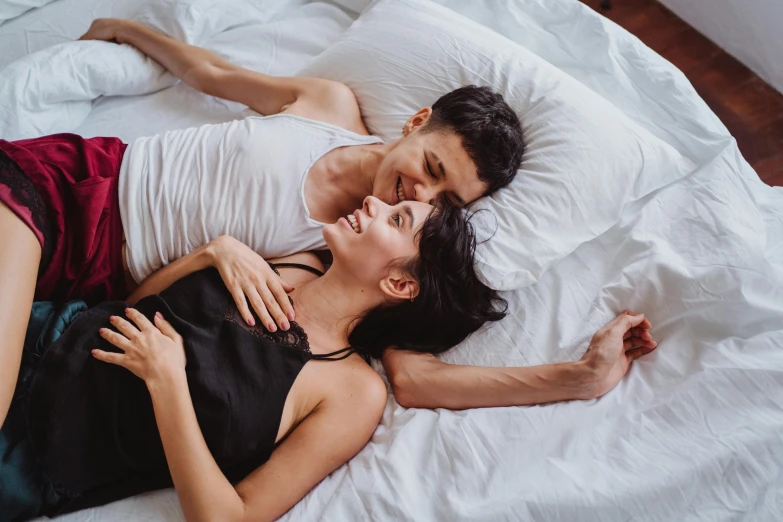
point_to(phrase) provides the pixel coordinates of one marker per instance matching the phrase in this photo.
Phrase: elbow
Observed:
(404, 389)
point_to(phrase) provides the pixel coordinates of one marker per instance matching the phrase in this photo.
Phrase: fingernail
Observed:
(291, 315)
(112, 317)
(127, 310)
(272, 327)
(285, 325)
(158, 315)
(251, 322)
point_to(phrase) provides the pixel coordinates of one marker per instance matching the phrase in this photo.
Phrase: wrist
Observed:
(167, 380)
(122, 30)
(585, 379)
(209, 253)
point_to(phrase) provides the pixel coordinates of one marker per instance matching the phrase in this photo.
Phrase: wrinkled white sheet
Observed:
(695, 432)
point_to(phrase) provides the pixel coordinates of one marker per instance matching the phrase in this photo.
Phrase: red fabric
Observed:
(77, 180)
(21, 211)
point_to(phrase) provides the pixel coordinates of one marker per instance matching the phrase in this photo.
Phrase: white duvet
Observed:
(695, 432)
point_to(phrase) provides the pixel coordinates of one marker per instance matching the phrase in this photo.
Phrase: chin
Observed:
(329, 232)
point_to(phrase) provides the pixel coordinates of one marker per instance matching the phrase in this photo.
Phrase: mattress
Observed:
(694, 432)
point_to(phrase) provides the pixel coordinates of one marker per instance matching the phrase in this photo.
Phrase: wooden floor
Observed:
(749, 107)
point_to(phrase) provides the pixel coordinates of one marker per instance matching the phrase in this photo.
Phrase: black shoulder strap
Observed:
(343, 354)
(333, 356)
(307, 268)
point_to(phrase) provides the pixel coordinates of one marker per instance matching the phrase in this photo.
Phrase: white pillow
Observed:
(584, 159)
(12, 8)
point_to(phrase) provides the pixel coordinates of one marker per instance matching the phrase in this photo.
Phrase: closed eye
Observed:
(397, 219)
(429, 170)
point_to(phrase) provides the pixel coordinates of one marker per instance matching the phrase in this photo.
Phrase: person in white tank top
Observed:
(272, 182)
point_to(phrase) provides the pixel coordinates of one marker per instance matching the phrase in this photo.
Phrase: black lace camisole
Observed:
(92, 424)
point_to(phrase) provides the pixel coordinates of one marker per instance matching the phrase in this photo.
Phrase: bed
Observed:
(694, 432)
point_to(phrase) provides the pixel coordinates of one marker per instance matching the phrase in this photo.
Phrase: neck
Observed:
(325, 309)
(350, 174)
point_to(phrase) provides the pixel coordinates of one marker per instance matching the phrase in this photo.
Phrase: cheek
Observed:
(384, 248)
(374, 251)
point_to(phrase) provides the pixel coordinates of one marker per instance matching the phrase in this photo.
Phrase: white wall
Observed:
(749, 30)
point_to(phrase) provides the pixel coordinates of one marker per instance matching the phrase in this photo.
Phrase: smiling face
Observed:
(370, 240)
(423, 165)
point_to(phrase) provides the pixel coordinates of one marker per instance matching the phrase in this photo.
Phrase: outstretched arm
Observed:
(423, 381)
(316, 98)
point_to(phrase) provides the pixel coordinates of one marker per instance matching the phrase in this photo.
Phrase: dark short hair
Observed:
(452, 301)
(489, 128)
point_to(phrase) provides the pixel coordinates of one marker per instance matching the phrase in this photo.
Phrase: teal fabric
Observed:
(23, 489)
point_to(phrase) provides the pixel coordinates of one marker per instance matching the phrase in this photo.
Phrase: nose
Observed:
(424, 193)
(371, 205)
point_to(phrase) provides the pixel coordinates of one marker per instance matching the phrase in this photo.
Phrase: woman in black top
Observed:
(243, 421)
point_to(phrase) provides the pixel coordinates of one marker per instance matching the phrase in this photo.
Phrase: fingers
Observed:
(120, 341)
(258, 305)
(278, 289)
(634, 354)
(239, 298)
(109, 357)
(638, 331)
(637, 342)
(273, 307)
(286, 286)
(629, 319)
(165, 327)
(139, 318)
(124, 327)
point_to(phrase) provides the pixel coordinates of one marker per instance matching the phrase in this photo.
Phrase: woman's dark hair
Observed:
(452, 301)
(489, 128)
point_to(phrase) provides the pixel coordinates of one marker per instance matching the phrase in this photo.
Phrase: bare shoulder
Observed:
(360, 389)
(330, 102)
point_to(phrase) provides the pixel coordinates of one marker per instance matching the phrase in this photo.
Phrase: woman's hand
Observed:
(153, 352)
(249, 278)
(106, 29)
(613, 348)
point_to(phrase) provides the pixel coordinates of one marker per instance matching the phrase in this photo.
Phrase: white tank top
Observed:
(244, 178)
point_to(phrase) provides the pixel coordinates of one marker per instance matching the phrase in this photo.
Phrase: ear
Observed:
(417, 120)
(400, 286)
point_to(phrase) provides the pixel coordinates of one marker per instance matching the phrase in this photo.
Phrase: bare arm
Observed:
(333, 432)
(246, 275)
(208, 256)
(315, 98)
(159, 280)
(321, 443)
(423, 381)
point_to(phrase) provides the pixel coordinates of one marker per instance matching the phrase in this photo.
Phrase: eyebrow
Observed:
(409, 213)
(460, 201)
(440, 164)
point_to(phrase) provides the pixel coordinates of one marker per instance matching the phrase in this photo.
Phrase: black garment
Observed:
(92, 424)
(23, 190)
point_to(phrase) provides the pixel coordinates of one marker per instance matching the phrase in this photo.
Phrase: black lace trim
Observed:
(24, 190)
(295, 337)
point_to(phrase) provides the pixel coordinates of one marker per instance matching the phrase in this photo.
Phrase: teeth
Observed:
(400, 191)
(354, 223)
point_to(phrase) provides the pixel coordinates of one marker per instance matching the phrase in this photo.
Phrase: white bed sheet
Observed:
(695, 432)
